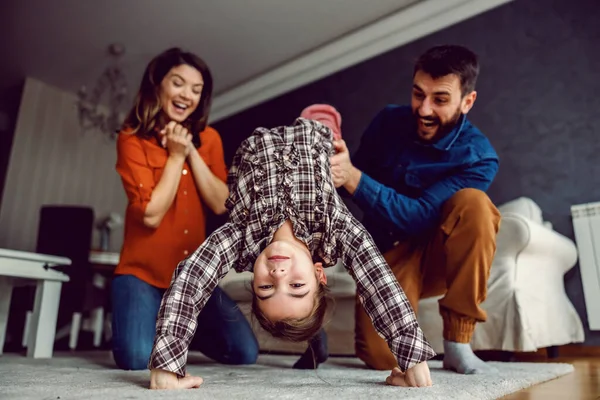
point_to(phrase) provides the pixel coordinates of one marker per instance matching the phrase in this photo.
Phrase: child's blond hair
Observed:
(296, 329)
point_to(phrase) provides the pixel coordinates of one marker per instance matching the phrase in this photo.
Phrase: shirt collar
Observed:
(447, 141)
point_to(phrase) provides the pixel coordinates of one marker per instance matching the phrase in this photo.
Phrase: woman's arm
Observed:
(164, 192)
(149, 200)
(177, 142)
(213, 191)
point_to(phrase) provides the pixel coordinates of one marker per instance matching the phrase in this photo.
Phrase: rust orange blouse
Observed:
(152, 254)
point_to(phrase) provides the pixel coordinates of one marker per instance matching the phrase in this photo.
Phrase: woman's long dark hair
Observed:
(144, 117)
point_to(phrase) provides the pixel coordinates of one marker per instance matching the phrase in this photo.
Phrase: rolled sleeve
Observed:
(411, 348)
(170, 354)
(136, 173)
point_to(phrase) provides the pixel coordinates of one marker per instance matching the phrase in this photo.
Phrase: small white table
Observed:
(103, 264)
(21, 268)
(104, 258)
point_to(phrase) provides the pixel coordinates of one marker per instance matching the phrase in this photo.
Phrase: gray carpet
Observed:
(92, 376)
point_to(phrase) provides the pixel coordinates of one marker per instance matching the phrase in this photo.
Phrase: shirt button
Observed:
(141, 185)
(184, 172)
(185, 252)
(185, 232)
(185, 192)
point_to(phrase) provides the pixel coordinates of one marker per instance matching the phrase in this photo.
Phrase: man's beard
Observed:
(443, 128)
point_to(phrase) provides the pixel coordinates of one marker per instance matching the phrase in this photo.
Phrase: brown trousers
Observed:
(455, 260)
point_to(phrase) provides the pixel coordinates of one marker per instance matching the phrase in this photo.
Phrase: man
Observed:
(420, 176)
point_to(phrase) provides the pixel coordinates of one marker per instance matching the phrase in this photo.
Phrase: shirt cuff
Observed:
(170, 354)
(367, 191)
(411, 348)
(138, 209)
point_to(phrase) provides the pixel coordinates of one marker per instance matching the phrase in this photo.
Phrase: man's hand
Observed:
(342, 170)
(161, 379)
(417, 376)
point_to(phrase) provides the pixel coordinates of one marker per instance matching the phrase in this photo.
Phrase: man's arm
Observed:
(193, 282)
(380, 294)
(414, 216)
(411, 216)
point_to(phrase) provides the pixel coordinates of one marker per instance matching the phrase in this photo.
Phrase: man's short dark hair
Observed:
(443, 60)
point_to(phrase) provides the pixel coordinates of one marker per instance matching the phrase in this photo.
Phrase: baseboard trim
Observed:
(407, 25)
(578, 350)
(569, 351)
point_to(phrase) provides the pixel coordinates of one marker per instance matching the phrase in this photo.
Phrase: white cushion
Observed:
(523, 206)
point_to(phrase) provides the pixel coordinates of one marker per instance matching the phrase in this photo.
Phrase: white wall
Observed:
(54, 162)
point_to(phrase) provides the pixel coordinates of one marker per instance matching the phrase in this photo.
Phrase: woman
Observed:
(172, 167)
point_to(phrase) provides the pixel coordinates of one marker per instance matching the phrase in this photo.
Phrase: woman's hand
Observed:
(176, 139)
(161, 379)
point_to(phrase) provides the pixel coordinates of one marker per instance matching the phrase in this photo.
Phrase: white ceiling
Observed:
(64, 42)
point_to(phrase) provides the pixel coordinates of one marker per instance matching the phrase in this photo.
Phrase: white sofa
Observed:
(527, 305)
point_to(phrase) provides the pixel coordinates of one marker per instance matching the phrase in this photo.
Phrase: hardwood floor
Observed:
(582, 384)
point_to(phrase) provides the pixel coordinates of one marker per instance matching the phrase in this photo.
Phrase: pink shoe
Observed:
(327, 115)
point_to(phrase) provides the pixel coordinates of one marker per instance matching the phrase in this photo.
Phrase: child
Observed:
(284, 214)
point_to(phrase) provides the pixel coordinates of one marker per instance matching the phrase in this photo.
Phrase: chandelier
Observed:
(99, 113)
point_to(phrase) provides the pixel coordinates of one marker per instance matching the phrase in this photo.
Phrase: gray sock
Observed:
(459, 357)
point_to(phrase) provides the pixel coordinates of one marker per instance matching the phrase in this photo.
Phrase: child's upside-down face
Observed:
(286, 280)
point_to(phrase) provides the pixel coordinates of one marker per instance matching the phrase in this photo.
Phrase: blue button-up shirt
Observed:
(405, 182)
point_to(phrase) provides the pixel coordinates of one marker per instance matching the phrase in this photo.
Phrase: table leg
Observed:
(43, 321)
(5, 295)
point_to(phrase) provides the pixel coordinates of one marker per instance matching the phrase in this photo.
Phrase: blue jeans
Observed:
(223, 333)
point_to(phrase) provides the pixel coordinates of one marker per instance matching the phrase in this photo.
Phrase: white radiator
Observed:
(586, 224)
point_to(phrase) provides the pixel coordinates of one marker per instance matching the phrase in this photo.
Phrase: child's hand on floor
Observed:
(417, 376)
(161, 379)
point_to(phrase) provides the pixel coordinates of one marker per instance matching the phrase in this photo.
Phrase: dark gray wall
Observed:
(10, 98)
(539, 103)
